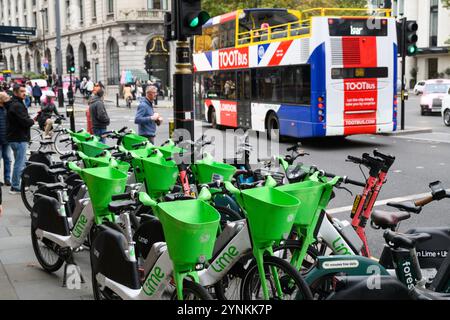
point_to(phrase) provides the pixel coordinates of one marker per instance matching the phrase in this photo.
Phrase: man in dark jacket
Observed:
(99, 116)
(37, 94)
(18, 133)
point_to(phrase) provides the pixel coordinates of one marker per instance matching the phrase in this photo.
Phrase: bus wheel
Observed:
(273, 124)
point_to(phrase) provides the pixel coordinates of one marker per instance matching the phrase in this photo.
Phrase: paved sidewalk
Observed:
(21, 276)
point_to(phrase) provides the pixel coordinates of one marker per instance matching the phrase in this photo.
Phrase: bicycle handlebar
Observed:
(346, 180)
(424, 201)
(67, 156)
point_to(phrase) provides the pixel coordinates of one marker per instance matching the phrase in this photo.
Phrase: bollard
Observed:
(171, 128)
(117, 100)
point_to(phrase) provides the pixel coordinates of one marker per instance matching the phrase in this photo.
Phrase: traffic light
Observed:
(411, 37)
(189, 18)
(71, 64)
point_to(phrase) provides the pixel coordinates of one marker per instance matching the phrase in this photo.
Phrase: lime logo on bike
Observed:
(79, 227)
(290, 218)
(205, 238)
(217, 177)
(340, 247)
(153, 281)
(225, 259)
(118, 189)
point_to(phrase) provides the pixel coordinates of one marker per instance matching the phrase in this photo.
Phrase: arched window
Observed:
(27, 62)
(112, 50)
(82, 58)
(158, 49)
(37, 62)
(19, 63)
(12, 65)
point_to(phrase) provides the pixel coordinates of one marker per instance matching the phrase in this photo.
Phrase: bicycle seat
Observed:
(117, 207)
(176, 197)
(408, 206)
(406, 241)
(57, 171)
(388, 220)
(52, 186)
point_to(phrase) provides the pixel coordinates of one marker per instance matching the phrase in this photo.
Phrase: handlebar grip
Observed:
(80, 131)
(137, 145)
(123, 129)
(123, 196)
(355, 183)
(355, 159)
(111, 148)
(424, 201)
(58, 166)
(118, 154)
(383, 156)
(65, 140)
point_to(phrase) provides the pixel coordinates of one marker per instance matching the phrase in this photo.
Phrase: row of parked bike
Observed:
(159, 227)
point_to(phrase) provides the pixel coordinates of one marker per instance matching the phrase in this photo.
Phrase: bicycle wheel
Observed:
(193, 291)
(289, 248)
(35, 139)
(27, 194)
(228, 288)
(62, 147)
(45, 254)
(292, 283)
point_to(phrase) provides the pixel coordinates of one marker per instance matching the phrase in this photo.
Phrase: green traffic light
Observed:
(412, 50)
(194, 22)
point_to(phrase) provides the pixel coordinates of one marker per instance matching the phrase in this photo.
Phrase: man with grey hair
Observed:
(146, 118)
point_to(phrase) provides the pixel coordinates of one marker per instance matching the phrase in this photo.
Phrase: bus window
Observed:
(227, 85)
(268, 84)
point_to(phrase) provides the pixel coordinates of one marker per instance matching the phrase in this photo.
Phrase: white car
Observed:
(446, 109)
(418, 88)
(433, 94)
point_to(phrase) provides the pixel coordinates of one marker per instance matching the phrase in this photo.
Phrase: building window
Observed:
(434, 22)
(113, 62)
(81, 11)
(25, 20)
(110, 6)
(94, 9)
(157, 4)
(34, 19)
(433, 68)
(46, 20)
(68, 11)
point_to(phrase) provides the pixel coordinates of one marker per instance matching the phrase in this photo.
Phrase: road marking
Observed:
(420, 168)
(398, 171)
(383, 202)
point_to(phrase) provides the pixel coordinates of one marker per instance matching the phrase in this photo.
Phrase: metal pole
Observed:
(71, 101)
(403, 72)
(59, 68)
(183, 90)
(43, 36)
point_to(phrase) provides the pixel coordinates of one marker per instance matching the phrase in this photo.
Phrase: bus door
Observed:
(244, 99)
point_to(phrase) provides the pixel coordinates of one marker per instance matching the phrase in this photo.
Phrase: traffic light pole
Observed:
(59, 68)
(402, 122)
(71, 108)
(183, 89)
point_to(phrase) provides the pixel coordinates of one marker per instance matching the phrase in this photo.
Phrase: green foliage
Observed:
(214, 7)
(446, 3)
(32, 75)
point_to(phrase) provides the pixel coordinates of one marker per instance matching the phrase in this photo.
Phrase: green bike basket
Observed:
(92, 148)
(131, 139)
(208, 171)
(190, 229)
(160, 175)
(102, 184)
(170, 151)
(309, 193)
(270, 213)
(82, 136)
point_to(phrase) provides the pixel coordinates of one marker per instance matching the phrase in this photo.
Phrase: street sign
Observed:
(13, 39)
(18, 31)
